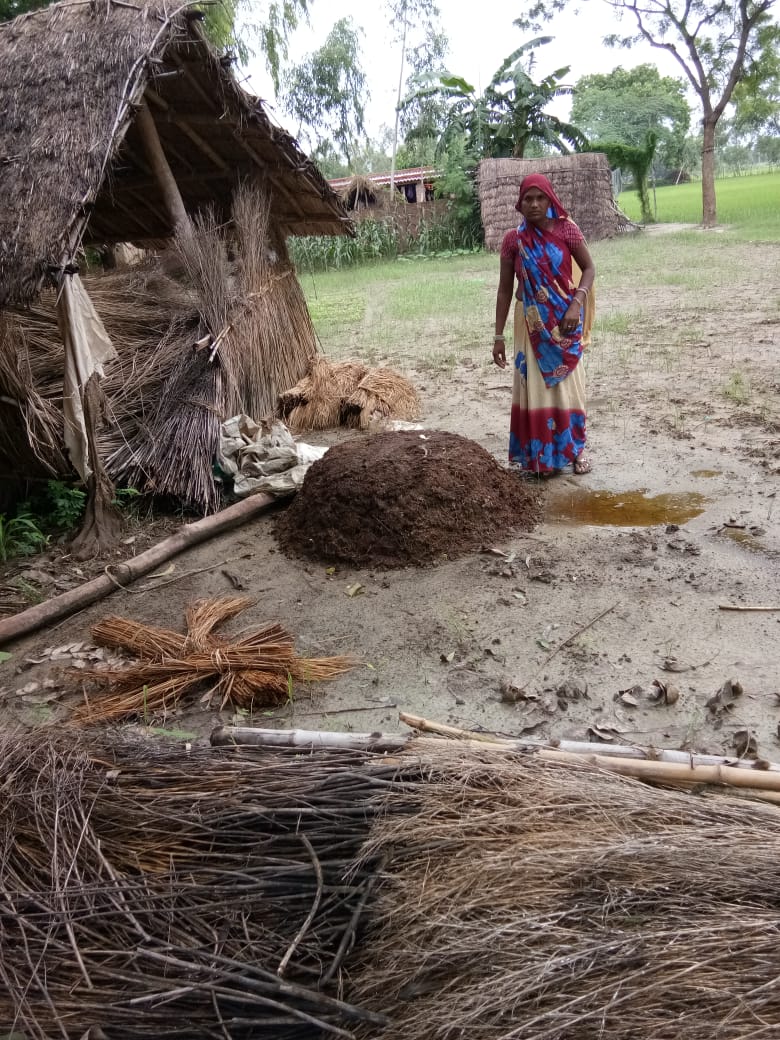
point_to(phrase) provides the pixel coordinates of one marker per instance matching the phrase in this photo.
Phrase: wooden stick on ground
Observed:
(585, 748)
(122, 574)
(247, 736)
(566, 642)
(746, 606)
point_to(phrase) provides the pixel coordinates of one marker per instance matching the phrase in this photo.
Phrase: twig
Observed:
(565, 643)
(747, 606)
(337, 711)
(312, 912)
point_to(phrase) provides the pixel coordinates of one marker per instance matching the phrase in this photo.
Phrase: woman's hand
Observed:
(571, 319)
(499, 353)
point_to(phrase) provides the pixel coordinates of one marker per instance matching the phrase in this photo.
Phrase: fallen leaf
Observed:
(447, 658)
(234, 579)
(664, 693)
(671, 664)
(354, 590)
(629, 700)
(745, 744)
(5, 655)
(330, 570)
(543, 644)
(603, 734)
(725, 698)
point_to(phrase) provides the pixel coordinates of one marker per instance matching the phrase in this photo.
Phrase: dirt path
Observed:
(682, 403)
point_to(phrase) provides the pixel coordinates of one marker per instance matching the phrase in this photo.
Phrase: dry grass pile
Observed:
(200, 338)
(149, 892)
(530, 901)
(348, 393)
(258, 669)
(157, 892)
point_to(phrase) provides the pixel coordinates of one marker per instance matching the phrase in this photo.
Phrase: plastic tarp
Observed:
(263, 457)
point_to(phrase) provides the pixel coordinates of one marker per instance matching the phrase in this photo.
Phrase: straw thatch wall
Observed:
(72, 164)
(583, 183)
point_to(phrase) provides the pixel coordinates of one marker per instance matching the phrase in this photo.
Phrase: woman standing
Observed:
(553, 314)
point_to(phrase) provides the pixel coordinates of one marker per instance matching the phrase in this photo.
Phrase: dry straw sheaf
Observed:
(528, 901)
(254, 670)
(582, 182)
(348, 393)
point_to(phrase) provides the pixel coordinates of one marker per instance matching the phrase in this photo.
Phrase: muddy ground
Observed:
(443, 641)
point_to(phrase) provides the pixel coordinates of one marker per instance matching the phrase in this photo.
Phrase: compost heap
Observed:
(404, 498)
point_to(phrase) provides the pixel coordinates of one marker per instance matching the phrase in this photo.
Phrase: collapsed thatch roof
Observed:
(582, 182)
(72, 167)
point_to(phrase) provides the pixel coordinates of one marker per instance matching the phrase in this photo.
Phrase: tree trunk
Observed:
(709, 214)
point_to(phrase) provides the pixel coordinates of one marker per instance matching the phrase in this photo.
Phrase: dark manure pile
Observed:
(404, 498)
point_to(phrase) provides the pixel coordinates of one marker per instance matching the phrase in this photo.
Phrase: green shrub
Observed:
(64, 505)
(20, 535)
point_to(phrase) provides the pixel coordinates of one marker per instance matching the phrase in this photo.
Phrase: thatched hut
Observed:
(583, 183)
(120, 123)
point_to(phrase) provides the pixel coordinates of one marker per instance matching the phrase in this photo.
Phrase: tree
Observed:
(624, 105)
(326, 93)
(11, 8)
(757, 95)
(422, 120)
(715, 42)
(268, 28)
(511, 112)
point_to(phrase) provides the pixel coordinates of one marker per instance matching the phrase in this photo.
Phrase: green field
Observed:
(751, 204)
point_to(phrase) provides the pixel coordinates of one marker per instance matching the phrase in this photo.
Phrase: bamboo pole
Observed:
(247, 736)
(584, 748)
(161, 168)
(124, 573)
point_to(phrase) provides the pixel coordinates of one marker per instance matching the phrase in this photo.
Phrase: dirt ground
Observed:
(620, 586)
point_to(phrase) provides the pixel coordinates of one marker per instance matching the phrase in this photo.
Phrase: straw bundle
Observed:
(347, 393)
(528, 900)
(256, 670)
(150, 892)
(583, 183)
(381, 392)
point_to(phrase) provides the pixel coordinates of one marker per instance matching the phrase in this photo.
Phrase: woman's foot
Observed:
(582, 466)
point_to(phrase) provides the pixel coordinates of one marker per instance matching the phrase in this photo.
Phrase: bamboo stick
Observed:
(581, 747)
(123, 574)
(748, 606)
(225, 736)
(155, 155)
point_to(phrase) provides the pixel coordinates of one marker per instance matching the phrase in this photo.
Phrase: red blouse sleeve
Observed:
(509, 245)
(572, 235)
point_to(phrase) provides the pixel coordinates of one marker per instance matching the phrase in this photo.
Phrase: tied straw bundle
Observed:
(347, 393)
(256, 670)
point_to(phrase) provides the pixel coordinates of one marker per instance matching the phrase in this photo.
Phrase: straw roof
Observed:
(583, 184)
(72, 166)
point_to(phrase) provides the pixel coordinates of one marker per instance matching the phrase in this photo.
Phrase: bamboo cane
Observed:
(225, 736)
(581, 747)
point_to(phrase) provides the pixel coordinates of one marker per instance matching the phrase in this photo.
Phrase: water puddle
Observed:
(706, 473)
(621, 508)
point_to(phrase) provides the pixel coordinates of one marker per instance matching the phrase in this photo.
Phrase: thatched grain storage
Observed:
(120, 123)
(583, 183)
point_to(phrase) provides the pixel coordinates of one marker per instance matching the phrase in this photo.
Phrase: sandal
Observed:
(581, 466)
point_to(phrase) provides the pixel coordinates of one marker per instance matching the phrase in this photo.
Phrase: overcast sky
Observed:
(481, 35)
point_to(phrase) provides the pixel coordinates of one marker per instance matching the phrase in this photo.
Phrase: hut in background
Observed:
(583, 183)
(120, 123)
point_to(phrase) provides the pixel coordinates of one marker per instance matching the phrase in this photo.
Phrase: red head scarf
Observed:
(538, 180)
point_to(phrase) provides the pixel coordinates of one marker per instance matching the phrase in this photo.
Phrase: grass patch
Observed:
(748, 203)
(737, 388)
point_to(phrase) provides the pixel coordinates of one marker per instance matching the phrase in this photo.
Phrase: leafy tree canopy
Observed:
(11, 8)
(511, 112)
(267, 26)
(327, 92)
(624, 105)
(715, 43)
